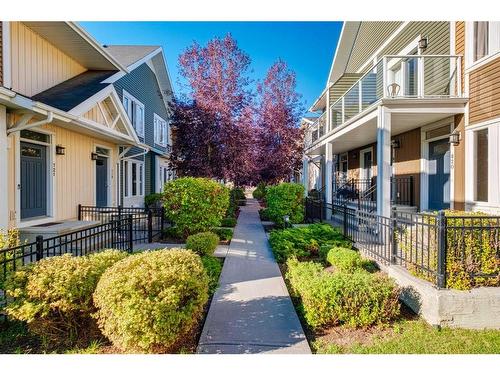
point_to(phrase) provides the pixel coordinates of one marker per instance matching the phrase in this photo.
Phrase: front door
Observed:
(439, 174)
(33, 180)
(101, 181)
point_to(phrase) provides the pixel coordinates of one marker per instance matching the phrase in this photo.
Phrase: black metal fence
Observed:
(115, 234)
(444, 248)
(147, 223)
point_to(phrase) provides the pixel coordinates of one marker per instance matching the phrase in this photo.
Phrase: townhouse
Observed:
(409, 118)
(65, 135)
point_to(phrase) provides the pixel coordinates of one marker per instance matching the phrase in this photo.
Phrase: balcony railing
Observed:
(394, 77)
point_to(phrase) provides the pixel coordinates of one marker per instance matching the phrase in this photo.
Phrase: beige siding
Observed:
(484, 92)
(460, 46)
(95, 114)
(74, 180)
(342, 85)
(1, 54)
(36, 64)
(371, 36)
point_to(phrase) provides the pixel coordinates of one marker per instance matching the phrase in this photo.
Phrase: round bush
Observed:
(343, 259)
(54, 295)
(202, 243)
(195, 204)
(285, 199)
(149, 301)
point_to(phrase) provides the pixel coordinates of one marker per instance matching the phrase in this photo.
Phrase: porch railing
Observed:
(396, 77)
(147, 223)
(437, 247)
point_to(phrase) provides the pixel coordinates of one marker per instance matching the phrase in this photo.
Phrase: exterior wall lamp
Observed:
(395, 143)
(422, 43)
(454, 139)
(60, 150)
(93, 156)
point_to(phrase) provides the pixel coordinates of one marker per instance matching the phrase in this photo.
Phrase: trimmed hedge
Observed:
(149, 301)
(195, 204)
(344, 260)
(285, 199)
(54, 295)
(305, 241)
(203, 243)
(353, 299)
(225, 234)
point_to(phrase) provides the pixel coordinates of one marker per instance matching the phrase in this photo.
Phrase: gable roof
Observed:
(128, 55)
(74, 91)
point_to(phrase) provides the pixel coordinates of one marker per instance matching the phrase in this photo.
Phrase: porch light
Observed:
(454, 139)
(93, 156)
(60, 150)
(395, 143)
(422, 43)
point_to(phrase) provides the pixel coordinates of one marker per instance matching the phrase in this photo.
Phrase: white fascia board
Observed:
(89, 39)
(6, 58)
(89, 103)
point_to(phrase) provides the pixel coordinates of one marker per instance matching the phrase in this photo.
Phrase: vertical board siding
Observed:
(36, 64)
(484, 92)
(460, 47)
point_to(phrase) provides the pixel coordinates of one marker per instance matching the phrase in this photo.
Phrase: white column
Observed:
(305, 175)
(384, 170)
(4, 173)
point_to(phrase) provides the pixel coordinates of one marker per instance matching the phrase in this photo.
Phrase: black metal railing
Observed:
(402, 191)
(147, 223)
(114, 234)
(438, 247)
(314, 210)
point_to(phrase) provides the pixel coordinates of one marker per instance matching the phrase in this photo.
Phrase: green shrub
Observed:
(343, 259)
(171, 232)
(54, 295)
(353, 299)
(195, 204)
(228, 222)
(260, 191)
(213, 268)
(149, 301)
(470, 251)
(264, 214)
(8, 239)
(305, 241)
(238, 194)
(285, 199)
(202, 243)
(225, 234)
(153, 200)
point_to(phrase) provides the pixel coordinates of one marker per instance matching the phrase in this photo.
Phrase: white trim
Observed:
(109, 179)
(471, 65)
(4, 169)
(6, 55)
(141, 176)
(362, 162)
(424, 160)
(161, 122)
(51, 172)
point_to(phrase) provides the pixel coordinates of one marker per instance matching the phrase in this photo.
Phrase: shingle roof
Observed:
(68, 94)
(127, 55)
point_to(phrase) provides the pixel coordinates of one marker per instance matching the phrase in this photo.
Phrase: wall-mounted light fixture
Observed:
(60, 150)
(395, 143)
(422, 43)
(454, 139)
(93, 156)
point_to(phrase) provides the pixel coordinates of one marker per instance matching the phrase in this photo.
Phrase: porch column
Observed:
(384, 170)
(4, 172)
(305, 175)
(328, 176)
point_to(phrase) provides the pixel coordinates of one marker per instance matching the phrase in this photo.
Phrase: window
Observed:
(134, 178)
(135, 112)
(481, 161)
(161, 131)
(486, 39)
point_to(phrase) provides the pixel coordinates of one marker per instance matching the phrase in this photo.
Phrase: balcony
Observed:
(396, 78)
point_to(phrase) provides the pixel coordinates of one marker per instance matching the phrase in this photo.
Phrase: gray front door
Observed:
(33, 180)
(101, 181)
(439, 175)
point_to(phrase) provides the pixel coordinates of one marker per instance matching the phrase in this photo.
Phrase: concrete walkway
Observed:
(251, 311)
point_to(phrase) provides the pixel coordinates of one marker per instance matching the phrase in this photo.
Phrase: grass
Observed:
(417, 337)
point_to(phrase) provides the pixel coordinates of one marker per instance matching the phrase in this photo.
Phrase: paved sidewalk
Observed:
(251, 311)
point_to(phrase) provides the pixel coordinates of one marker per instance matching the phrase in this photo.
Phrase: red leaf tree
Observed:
(280, 138)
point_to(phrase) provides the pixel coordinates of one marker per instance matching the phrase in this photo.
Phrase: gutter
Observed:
(48, 120)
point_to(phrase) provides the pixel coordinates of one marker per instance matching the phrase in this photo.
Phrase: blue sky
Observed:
(307, 47)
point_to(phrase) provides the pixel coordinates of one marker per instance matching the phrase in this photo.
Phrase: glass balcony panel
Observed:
(371, 86)
(351, 102)
(440, 76)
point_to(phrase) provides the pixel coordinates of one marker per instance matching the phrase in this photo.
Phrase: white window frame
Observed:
(493, 51)
(493, 203)
(140, 182)
(160, 131)
(132, 113)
